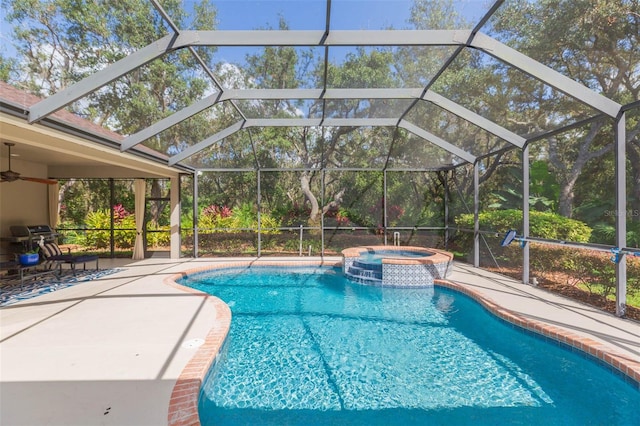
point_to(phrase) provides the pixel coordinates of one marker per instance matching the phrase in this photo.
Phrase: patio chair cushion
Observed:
(50, 249)
(51, 252)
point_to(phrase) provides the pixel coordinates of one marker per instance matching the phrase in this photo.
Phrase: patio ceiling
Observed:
(327, 34)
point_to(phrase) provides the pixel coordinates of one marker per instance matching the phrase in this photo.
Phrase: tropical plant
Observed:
(98, 225)
(606, 234)
(543, 189)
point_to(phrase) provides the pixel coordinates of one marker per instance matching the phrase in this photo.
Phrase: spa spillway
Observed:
(395, 266)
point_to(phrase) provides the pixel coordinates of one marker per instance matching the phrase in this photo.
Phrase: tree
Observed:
(593, 42)
(7, 65)
(61, 42)
(314, 149)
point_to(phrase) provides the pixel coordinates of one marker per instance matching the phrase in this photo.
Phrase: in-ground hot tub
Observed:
(395, 266)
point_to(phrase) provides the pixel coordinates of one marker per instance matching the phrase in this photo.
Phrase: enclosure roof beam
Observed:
(193, 149)
(114, 71)
(429, 137)
(360, 122)
(320, 38)
(241, 38)
(315, 38)
(338, 93)
(167, 122)
(317, 122)
(474, 118)
(342, 93)
(283, 122)
(312, 122)
(545, 74)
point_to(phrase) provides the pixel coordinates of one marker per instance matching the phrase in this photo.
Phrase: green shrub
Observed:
(357, 218)
(214, 223)
(159, 239)
(71, 237)
(98, 224)
(221, 219)
(269, 224)
(244, 217)
(125, 237)
(541, 224)
(215, 219)
(587, 269)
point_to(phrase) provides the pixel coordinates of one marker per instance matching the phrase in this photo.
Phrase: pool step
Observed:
(367, 281)
(359, 271)
(365, 273)
(368, 265)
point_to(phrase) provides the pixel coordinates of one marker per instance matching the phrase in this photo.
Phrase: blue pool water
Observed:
(308, 347)
(378, 255)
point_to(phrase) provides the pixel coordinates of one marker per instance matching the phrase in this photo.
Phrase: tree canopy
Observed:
(595, 43)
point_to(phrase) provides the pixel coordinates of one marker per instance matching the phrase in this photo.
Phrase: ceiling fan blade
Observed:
(39, 180)
(11, 176)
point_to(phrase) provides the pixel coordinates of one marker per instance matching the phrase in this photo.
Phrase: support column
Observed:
(112, 202)
(525, 214)
(174, 217)
(621, 214)
(195, 214)
(384, 205)
(258, 201)
(324, 171)
(476, 210)
(446, 210)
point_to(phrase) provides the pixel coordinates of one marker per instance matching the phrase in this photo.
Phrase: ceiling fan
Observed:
(11, 176)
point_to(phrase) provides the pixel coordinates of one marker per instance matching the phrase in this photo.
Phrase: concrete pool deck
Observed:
(110, 351)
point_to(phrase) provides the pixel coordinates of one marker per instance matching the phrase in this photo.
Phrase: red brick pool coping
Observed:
(183, 405)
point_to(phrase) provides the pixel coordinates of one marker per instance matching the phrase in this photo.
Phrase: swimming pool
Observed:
(307, 346)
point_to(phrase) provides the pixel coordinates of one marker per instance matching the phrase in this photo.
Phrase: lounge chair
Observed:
(51, 251)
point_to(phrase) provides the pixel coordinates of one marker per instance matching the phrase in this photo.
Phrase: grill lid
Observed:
(30, 230)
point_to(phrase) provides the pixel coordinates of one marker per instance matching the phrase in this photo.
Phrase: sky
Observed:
(303, 15)
(346, 14)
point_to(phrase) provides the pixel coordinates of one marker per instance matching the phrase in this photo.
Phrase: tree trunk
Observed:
(569, 174)
(337, 200)
(62, 190)
(156, 207)
(565, 201)
(306, 190)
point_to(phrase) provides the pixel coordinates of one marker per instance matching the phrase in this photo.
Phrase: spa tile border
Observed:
(183, 404)
(618, 363)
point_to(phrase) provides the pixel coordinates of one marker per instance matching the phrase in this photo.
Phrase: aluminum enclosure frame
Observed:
(461, 39)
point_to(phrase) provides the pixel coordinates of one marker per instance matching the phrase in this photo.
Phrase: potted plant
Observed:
(29, 258)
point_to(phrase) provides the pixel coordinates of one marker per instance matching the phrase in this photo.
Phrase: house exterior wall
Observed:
(21, 202)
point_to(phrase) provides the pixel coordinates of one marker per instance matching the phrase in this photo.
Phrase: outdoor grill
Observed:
(29, 235)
